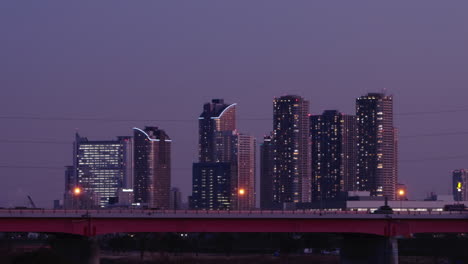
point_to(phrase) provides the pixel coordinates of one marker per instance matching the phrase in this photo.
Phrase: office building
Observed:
(377, 169)
(99, 170)
(292, 151)
(459, 185)
(211, 186)
(333, 137)
(152, 167)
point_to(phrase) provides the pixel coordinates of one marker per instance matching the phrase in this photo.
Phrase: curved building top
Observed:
(216, 109)
(153, 134)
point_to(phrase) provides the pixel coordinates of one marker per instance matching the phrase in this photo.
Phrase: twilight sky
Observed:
(161, 60)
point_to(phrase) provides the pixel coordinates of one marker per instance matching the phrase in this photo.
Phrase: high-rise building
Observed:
(459, 185)
(211, 186)
(376, 145)
(100, 168)
(216, 117)
(219, 142)
(128, 153)
(152, 167)
(266, 174)
(292, 152)
(333, 154)
(215, 173)
(246, 172)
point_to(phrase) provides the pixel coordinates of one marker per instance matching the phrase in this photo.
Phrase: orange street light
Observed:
(77, 191)
(241, 191)
(401, 192)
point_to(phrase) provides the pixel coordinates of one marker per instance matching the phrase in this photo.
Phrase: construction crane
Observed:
(31, 202)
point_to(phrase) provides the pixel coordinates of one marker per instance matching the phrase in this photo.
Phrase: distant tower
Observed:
(266, 174)
(377, 150)
(459, 185)
(333, 154)
(152, 167)
(292, 153)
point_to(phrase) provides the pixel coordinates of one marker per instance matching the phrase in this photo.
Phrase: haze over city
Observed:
(130, 64)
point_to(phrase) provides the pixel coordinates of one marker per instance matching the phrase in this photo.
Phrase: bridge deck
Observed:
(95, 222)
(299, 214)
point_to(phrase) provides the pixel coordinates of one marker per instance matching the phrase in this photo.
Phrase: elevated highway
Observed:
(97, 222)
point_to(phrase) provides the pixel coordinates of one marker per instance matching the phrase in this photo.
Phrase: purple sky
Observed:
(163, 60)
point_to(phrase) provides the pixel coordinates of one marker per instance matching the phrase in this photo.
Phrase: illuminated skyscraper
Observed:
(333, 154)
(152, 167)
(219, 142)
(292, 152)
(100, 168)
(217, 118)
(246, 172)
(377, 170)
(459, 185)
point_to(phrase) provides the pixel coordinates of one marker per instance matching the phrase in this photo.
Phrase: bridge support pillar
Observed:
(363, 250)
(76, 249)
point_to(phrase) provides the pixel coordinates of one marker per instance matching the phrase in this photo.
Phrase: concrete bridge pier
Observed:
(76, 249)
(358, 249)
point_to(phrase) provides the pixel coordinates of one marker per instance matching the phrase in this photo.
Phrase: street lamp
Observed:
(76, 192)
(241, 192)
(401, 194)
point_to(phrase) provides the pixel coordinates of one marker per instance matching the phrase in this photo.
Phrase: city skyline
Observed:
(61, 73)
(223, 138)
(307, 158)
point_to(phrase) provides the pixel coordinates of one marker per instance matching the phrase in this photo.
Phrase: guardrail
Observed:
(214, 212)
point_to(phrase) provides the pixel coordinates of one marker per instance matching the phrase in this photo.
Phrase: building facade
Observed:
(333, 137)
(211, 186)
(152, 167)
(377, 169)
(292, 152)
(99, 170)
